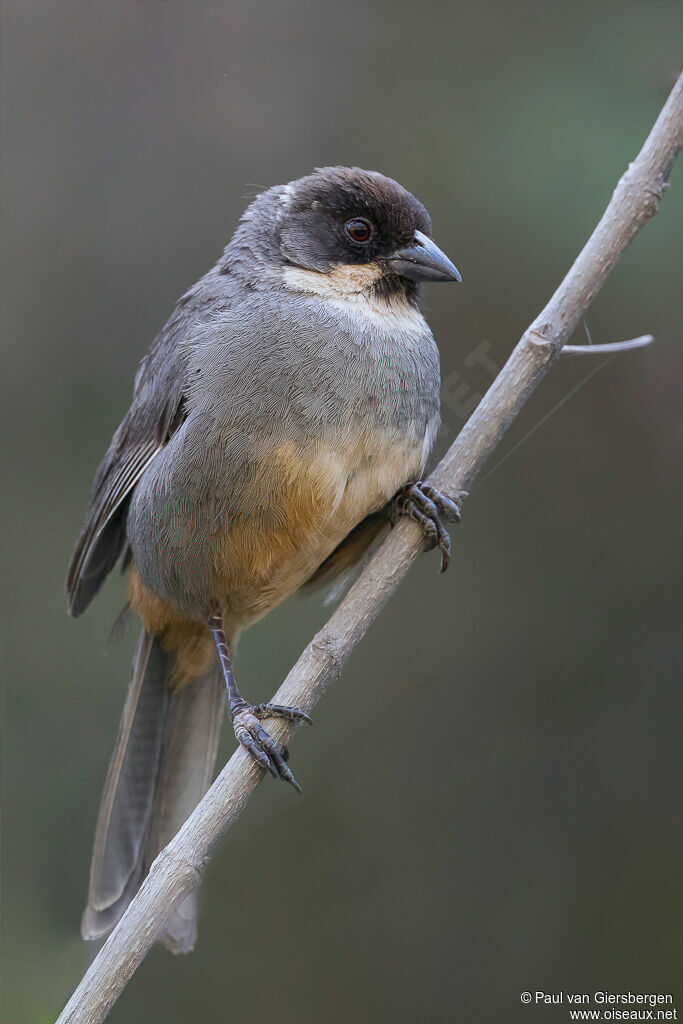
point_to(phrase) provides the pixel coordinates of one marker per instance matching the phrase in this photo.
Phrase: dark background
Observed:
(491, 790)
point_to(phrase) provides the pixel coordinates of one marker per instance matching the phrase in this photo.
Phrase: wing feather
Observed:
(102, 538)
(157, 410)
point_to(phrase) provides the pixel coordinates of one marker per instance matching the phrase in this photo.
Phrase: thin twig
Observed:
(612, 346)
(613, 349)
(177, 869)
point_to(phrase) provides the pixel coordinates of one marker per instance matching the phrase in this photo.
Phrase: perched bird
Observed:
(282, 418)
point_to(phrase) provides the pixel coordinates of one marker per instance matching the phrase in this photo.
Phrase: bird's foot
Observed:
(246, 721)
(427, 506)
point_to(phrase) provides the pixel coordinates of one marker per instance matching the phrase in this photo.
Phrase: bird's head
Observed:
(343, 230)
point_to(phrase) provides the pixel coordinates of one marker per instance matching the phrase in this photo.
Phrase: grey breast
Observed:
(271, 368)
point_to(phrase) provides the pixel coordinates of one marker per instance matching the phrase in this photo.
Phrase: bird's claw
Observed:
(268, 710)
(426, 506)
(246, 721)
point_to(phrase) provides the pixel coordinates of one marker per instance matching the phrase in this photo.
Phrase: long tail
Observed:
(162, 764)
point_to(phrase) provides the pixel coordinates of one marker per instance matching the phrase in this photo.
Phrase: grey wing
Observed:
(157, 410)
(103, 536)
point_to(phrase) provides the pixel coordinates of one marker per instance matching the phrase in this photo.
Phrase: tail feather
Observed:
(130, 785)
(161, 766)
(188, 757)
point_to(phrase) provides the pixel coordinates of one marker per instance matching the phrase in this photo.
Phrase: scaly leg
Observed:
(246, 717)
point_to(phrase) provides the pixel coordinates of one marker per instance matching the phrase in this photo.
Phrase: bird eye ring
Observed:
(359, 230)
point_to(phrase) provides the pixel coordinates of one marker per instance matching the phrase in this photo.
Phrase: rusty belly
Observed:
(300, 506)
(319, 503)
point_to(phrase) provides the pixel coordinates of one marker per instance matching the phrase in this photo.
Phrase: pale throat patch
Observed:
(286, 193)
(351, 290)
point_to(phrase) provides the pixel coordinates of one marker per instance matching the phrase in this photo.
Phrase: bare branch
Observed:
(177, 868)
(603, 350)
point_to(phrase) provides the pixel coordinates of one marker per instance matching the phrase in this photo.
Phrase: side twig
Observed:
(178, 868)
(605, 350)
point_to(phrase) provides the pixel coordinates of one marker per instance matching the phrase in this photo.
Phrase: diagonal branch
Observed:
(178, 868)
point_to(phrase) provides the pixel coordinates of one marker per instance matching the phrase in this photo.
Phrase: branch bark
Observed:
(178, 868)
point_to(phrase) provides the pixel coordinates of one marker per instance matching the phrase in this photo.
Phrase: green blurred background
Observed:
(513, 827)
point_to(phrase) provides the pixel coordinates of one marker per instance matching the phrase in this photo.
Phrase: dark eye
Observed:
(359, 230)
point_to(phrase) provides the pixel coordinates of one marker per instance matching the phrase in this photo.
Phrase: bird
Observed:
(281, 422)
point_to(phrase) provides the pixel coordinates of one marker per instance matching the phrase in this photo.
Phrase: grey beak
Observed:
(422, 260)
